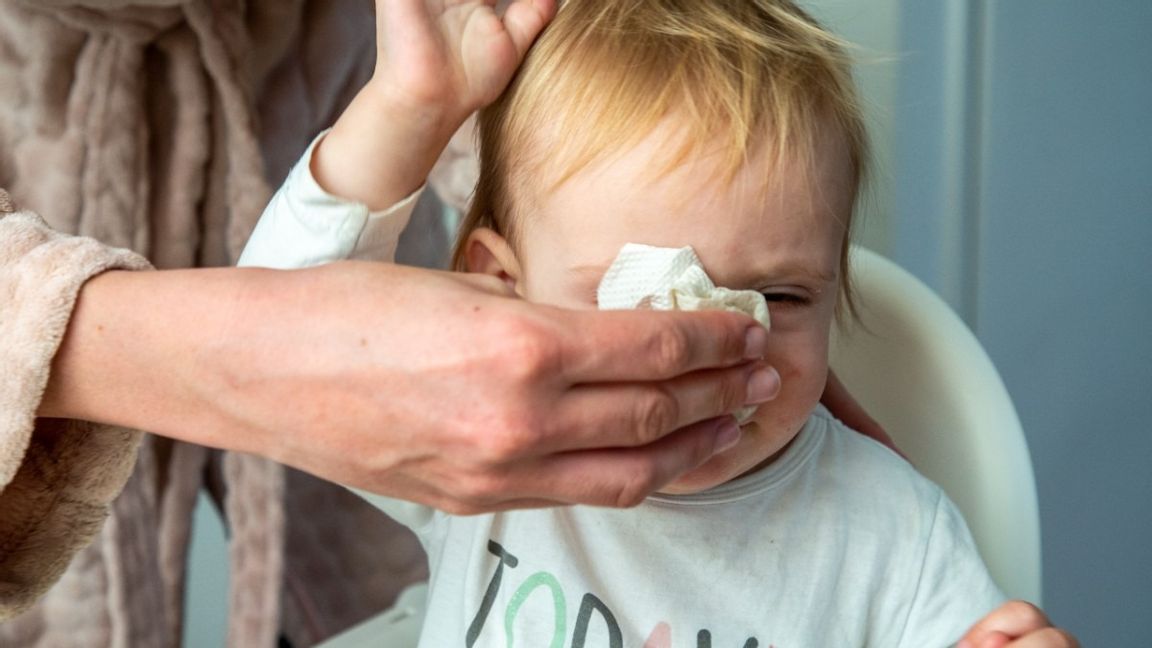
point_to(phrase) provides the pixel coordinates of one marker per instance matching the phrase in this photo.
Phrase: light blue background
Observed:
(1023, 192)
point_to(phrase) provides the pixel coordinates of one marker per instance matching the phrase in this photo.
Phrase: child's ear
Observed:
(486, 252)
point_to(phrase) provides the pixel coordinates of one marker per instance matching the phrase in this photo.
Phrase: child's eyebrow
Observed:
(807, 272)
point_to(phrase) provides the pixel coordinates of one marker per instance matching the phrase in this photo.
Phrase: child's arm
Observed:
(1016, 624)
(437, 62)
(352, 193)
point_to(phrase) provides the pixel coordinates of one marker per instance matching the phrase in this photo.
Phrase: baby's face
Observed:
(783, 241)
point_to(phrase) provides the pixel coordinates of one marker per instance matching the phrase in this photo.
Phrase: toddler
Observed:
(727, 125)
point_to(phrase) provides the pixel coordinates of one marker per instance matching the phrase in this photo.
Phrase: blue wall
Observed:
(1025, 194)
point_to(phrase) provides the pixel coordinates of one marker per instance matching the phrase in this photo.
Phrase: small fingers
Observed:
(845, 407)
(1012, 619)
(525, 19)
(990, 640)
(1046, 638)
(1043, 638)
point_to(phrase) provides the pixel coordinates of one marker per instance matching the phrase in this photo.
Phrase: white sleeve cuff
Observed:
(304, 225)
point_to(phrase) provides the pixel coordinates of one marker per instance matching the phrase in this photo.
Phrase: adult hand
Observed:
(846, 408)
(1017, 624)
(439, 388)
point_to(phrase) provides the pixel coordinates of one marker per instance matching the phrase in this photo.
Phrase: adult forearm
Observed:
(435, 387)
(134, 347)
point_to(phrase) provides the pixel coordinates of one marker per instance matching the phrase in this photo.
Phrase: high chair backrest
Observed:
(919, 371)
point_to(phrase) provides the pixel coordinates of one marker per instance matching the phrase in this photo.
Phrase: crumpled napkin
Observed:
(643, 276)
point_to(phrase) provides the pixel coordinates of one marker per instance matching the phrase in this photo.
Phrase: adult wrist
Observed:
(95, 369)
(133, 349)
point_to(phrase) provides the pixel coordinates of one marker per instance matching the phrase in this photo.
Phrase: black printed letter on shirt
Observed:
(490, 595)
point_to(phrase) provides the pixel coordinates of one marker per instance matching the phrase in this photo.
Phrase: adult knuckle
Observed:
(479, 491)
(500, 443)
(656, 413)
(671, 348)
(732, 391)
(732, 342)
(636, 487)
(511, 435)
(530, 351)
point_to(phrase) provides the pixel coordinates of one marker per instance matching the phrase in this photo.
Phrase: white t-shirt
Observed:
(839, 542)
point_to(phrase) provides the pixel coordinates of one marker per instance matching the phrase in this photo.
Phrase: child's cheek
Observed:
(801, 357)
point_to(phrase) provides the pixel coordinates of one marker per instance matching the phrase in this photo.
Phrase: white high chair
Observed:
(921, 373)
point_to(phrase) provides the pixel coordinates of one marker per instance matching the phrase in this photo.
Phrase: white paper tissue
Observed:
(643, 276)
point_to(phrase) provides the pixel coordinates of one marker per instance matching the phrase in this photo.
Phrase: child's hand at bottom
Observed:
(1016, 624)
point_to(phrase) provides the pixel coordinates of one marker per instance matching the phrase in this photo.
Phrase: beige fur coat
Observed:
(155, 128)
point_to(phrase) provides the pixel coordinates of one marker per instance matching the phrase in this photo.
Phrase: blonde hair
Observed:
(744, 74)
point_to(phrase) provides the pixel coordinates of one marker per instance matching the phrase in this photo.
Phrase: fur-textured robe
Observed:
(156, 127)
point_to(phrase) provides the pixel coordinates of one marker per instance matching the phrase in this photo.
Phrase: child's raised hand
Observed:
(438, 61)
(453, 55)
(1016, 624)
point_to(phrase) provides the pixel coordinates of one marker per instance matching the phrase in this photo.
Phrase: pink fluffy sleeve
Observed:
(57, 477)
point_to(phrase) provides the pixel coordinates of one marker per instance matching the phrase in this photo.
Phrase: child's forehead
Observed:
(669, 157)
(627, 198)
(666, 170)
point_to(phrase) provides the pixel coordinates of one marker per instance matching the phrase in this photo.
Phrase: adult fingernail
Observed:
(728, 435)
(755, 343)
(763, 386)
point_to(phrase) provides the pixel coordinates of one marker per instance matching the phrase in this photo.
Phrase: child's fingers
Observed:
(991, 640)
(1046, 638)
(525, 19)
(845, 407)
(1013, 619)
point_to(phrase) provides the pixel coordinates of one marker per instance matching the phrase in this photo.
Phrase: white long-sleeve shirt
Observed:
(304, 225)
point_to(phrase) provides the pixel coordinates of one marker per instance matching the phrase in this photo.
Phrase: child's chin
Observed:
(688, 487)
(710, 475)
